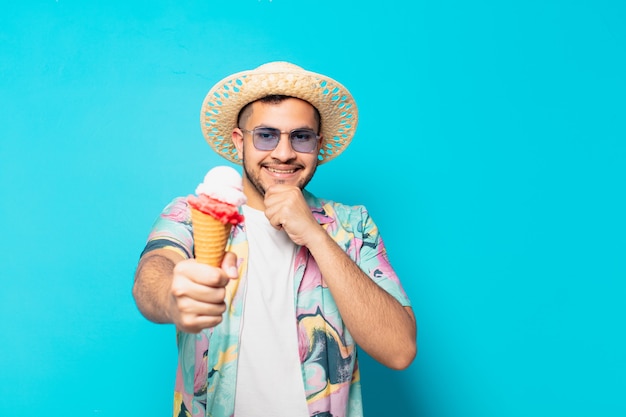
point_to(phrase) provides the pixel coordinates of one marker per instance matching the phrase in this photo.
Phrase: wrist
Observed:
(317, 238)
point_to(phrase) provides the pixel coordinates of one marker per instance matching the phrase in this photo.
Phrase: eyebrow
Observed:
(291, 130)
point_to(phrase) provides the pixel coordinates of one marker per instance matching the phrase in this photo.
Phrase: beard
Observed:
(255, 179)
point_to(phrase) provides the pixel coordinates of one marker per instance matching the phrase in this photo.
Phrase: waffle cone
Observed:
(210, 237)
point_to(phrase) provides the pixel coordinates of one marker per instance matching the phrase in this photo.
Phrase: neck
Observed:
(255, 199)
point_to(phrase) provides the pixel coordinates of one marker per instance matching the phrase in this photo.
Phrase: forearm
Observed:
(379, 324)
(153, 279)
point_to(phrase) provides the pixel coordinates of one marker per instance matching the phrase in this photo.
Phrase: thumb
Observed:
(229, 265)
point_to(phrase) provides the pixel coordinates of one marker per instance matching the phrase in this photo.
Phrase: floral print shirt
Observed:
(207, 362)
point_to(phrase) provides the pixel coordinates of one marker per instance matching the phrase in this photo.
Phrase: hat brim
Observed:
(222, 104)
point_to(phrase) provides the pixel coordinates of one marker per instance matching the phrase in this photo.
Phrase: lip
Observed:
(281, 172)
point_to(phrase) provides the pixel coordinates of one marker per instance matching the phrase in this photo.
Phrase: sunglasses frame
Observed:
(291, 134)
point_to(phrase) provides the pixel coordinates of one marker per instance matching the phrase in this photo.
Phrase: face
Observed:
(281, 165)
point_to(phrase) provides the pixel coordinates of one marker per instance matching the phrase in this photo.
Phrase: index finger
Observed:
(278, 188)
(202, 274)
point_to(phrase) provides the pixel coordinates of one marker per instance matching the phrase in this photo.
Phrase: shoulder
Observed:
(172, 229)
(177, 210)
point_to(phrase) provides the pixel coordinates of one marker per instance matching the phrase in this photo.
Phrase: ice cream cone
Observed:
(210, 237)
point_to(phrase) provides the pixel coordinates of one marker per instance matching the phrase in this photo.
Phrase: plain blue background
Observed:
(490, 151)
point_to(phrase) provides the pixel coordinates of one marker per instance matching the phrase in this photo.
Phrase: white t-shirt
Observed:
(269, 376)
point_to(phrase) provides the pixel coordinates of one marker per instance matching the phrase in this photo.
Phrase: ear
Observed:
(237, 138)
(319, 143)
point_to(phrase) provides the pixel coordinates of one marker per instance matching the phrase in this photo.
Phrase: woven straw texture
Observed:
(209, 238)
(222, 104)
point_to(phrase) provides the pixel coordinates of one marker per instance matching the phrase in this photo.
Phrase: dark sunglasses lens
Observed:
(265, 138)
(303, 140)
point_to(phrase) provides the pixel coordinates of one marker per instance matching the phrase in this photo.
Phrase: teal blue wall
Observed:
(491, 153)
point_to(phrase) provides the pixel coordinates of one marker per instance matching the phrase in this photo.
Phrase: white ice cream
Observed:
(223, 183)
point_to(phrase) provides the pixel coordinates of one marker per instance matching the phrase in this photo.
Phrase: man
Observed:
(273, 331)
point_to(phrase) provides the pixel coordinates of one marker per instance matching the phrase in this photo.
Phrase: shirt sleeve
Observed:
(373, 259)
(172, 229)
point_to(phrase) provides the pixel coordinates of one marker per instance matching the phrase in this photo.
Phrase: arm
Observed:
(171, 289)
(378, 323)
(153, 279)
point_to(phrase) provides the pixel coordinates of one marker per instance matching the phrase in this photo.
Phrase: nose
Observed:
(283, 151)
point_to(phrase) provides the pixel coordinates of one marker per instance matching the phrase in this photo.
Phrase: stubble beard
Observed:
(258, 186)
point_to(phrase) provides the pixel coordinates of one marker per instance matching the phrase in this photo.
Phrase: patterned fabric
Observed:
(207, 362)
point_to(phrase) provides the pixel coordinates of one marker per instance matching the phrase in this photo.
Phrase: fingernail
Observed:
(232, 271)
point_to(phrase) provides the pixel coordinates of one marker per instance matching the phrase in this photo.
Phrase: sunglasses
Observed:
(267, 138)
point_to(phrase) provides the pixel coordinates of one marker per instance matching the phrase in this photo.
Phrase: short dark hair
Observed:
(246, 111)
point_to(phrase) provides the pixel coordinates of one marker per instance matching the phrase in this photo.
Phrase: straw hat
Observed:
(221, 107)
